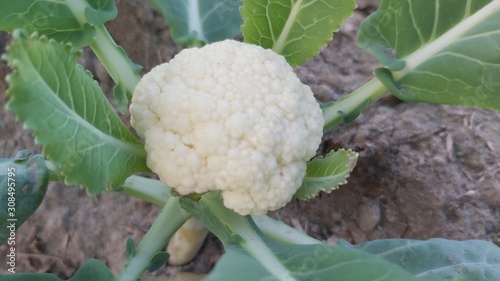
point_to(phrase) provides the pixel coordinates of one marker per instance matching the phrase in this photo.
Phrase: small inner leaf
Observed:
(158, 260)
(327, 173)
(130, 249)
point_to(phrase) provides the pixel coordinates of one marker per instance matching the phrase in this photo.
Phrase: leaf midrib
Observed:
(194, 22)
(322, 179)
(280, 44)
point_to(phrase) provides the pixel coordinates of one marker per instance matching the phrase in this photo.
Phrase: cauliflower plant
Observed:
(232, 117)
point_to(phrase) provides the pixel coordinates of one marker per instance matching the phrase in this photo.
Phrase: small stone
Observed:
(368, 214)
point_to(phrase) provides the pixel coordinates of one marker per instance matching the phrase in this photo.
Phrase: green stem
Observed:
(156, 192)
(251, 240)
(115, 61)
(281, 232)
(151, 190)
(350, 106)
(169, 220)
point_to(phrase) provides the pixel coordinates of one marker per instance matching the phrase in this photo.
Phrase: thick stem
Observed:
(169, 220)
(350, 106)
(151, 190)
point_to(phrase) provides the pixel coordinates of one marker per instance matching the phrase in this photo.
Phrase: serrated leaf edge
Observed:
(73, 55)
(352, 155)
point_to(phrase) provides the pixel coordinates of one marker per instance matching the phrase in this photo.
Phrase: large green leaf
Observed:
(91, 270)
(439, 51)
(252, 256)
(319, 262)
(327, 173)
(65, 21)
(197, 22)
(23, 184)
(440, 258)
(296, 29)
(70, 116)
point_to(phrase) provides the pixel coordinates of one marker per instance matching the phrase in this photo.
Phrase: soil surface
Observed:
(424, 170)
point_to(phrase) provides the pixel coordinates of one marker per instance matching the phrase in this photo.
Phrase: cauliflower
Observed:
(229, 116)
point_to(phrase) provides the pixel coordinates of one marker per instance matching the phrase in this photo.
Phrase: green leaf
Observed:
(70, 116)
(237, 263)
(309, 262)
(440, 258)
(98, 12)
(64, 21)
(130, 249)
(198, 22)
(252, 256)
(23, 184)
(296, 29)
(327, 173)
(91, 270)
(441, 51)
(158, 260)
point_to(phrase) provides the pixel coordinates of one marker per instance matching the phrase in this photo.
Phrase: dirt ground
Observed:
(424, 170)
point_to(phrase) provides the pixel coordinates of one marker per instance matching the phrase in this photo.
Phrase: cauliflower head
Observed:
(229, 116)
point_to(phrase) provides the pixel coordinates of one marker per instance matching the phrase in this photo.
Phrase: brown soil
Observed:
(424, 170)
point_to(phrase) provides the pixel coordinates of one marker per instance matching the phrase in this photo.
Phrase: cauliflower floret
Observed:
(232, 117)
